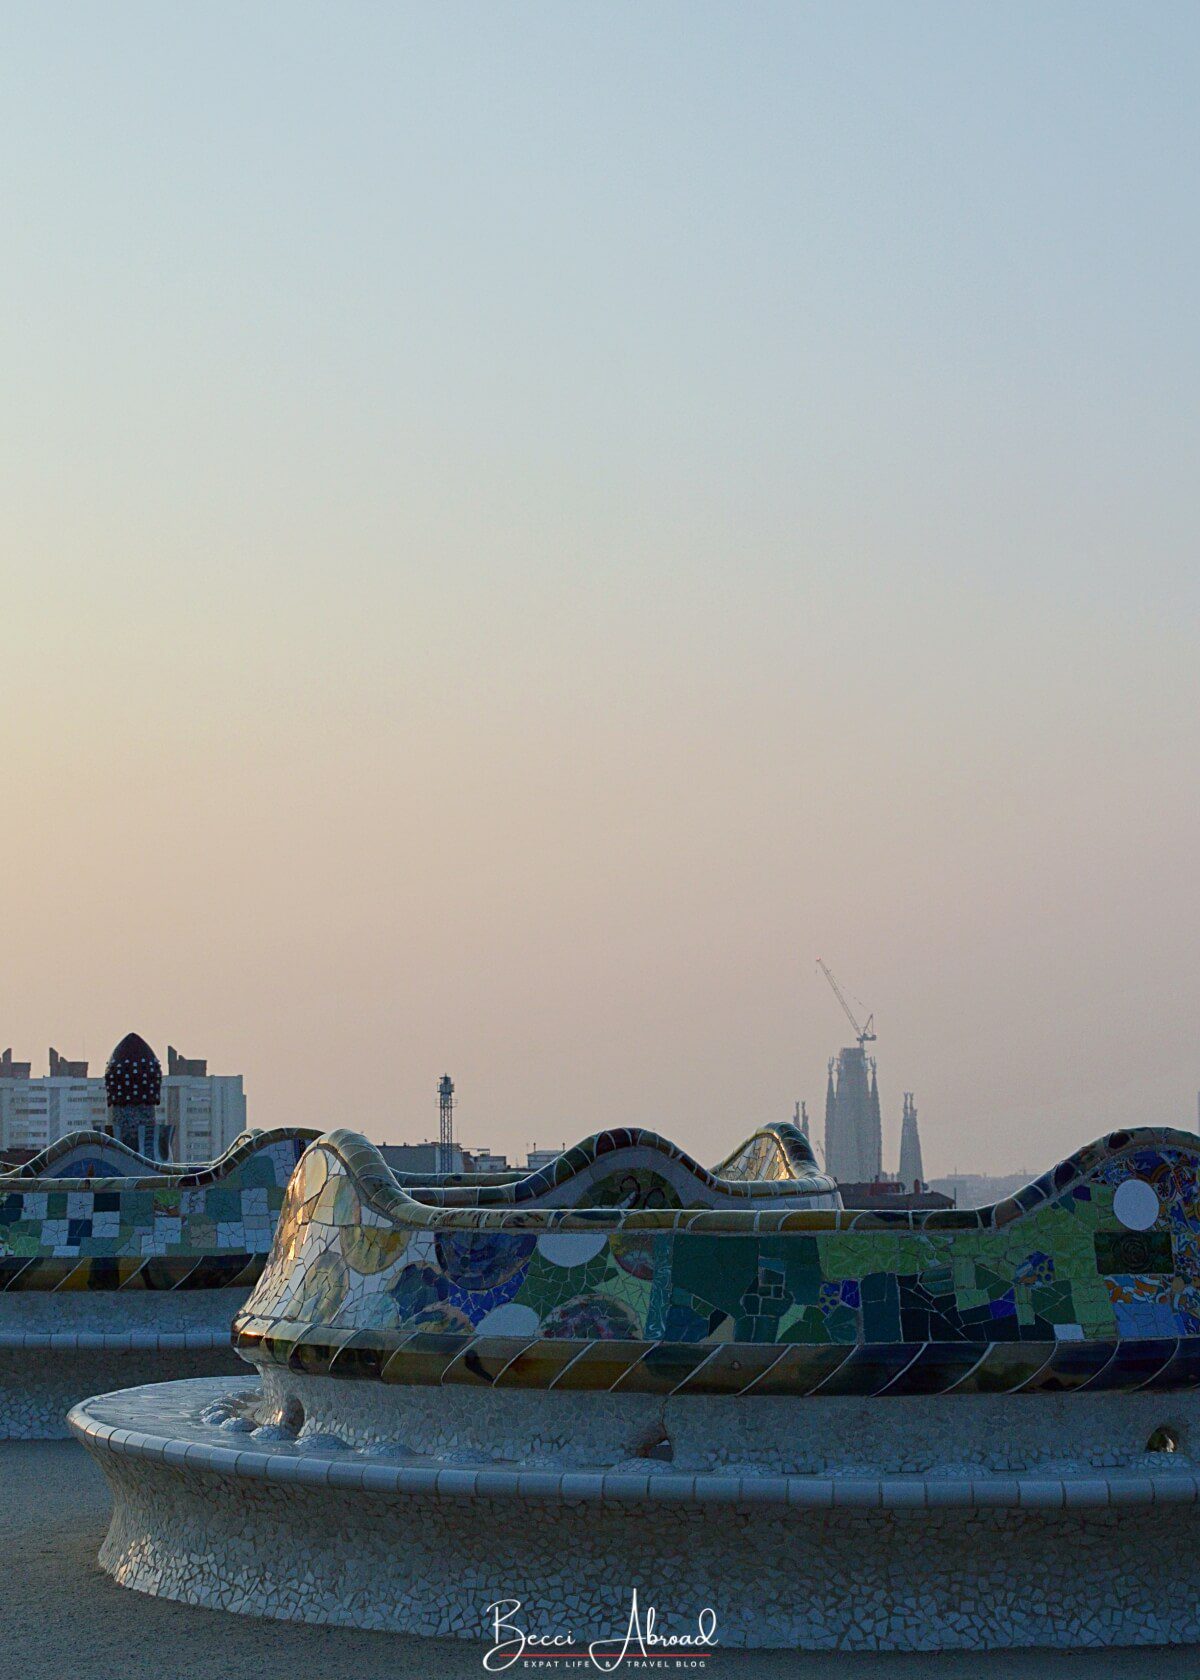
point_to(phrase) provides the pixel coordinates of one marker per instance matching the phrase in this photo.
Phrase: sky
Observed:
(524, 526)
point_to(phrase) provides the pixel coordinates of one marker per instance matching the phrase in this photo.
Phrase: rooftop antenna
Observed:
(864, 1035)
(446, 1124)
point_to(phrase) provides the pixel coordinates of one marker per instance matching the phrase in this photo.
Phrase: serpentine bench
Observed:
(900, 1430)
(118, 1269)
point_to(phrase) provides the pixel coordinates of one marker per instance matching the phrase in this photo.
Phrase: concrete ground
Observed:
(62, 1618)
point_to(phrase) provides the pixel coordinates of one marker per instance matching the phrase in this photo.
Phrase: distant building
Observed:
(853, 1131)
(421, 1158)
(485, 1161)
(185, 1067)
(35, 1112)
(203, 1114)
(890, 1193)
(912, 1172)
(205, 1111)
(61, 1068)
(982, 1189)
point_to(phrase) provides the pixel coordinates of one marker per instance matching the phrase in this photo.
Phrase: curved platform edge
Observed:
(65, 1341)
(353, 1471)
(36, 1393)
(428, 1550)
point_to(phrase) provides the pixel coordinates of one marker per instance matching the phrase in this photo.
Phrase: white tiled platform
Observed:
(388, 1539)
(57, 1347)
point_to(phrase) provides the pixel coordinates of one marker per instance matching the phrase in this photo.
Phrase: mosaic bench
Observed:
(632, 1167)
(92, 1154)
(914, 1429)
(115, 1268)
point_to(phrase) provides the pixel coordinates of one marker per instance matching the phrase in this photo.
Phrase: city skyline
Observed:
(535, 1133)
(524, 529)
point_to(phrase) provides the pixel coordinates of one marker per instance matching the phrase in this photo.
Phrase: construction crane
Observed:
(865, 1035)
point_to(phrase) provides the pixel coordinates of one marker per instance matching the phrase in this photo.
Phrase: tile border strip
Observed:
(113, 1341)
(750, 1369)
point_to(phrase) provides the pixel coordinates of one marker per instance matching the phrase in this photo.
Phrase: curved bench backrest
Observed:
(633, 1167)
(168, 1226)
(1091, 1274)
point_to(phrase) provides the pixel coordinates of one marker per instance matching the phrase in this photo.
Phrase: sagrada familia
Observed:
(853, 1129)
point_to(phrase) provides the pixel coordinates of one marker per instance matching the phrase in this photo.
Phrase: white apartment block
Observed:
(487, 1161)
(539, 1158)
(35, 1112)
(206, 1111)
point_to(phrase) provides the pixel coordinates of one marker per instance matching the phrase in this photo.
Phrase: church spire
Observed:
(912, 1172)
(832, 1152)
(873, 1142)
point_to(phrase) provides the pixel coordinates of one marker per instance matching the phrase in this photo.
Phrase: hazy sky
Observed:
(523, 526)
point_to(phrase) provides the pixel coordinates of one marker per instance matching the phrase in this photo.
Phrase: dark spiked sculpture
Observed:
(133, 1086)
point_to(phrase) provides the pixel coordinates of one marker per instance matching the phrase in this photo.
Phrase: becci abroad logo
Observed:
(640, 1646)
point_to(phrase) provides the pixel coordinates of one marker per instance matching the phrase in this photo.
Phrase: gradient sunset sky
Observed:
(524, 526)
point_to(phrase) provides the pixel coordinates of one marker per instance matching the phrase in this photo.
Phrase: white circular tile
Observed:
(512, 1319)
(571, 1248)
(1135, 1204)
